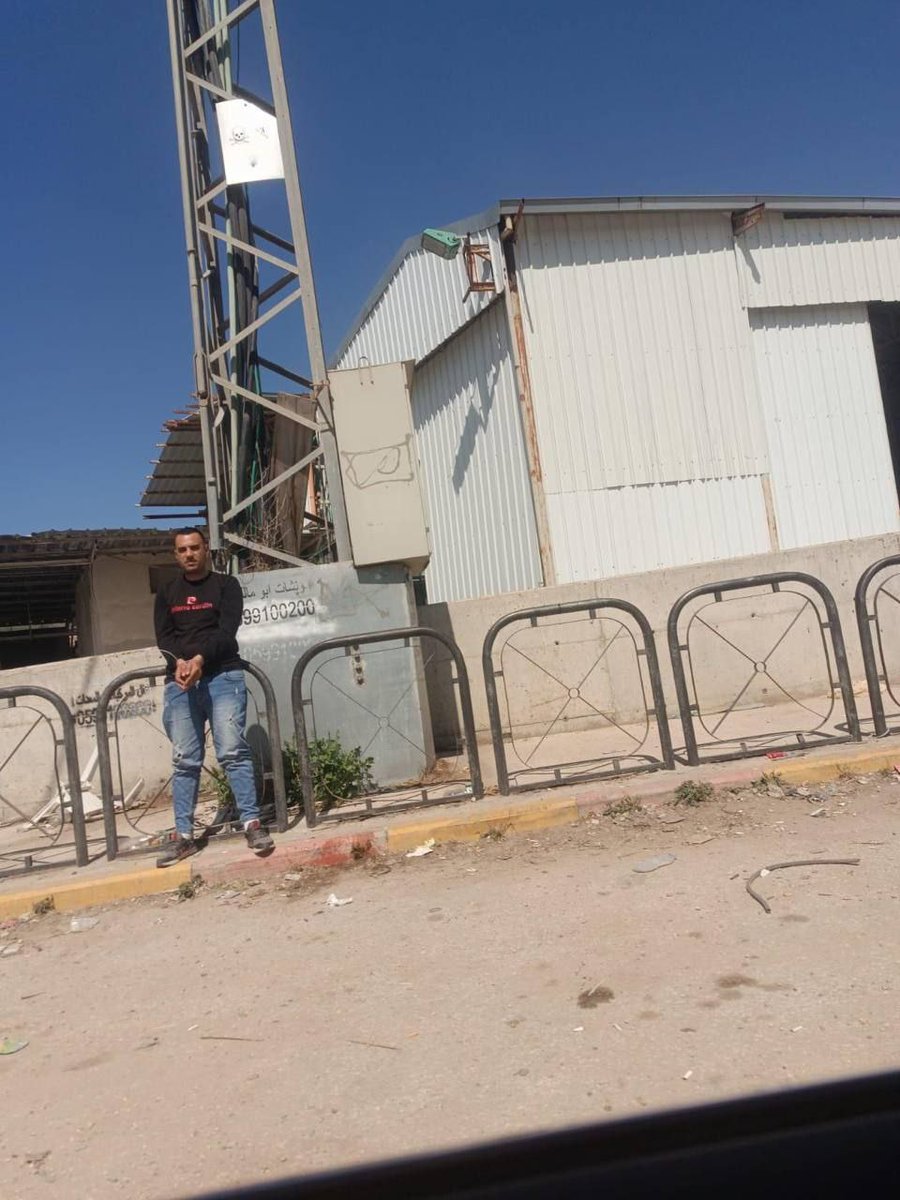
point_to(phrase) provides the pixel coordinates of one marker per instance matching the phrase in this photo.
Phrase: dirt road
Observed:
(479, 991)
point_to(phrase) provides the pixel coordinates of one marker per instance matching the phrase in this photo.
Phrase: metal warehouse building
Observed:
(612, 386)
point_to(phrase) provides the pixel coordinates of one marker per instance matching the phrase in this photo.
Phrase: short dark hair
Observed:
(188, 529)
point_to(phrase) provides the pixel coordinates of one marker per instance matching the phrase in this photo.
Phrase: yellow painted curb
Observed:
(819, 770)
(541, 815)
(68, 896)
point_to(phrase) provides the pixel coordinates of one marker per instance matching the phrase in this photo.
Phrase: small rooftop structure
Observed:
(177, 477)
(40, 573)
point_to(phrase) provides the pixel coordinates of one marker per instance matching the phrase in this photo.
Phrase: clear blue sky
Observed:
(406, 114)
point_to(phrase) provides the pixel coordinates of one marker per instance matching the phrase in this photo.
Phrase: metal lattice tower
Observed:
(267, 447)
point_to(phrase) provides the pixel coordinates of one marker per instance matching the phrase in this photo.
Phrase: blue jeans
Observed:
(221, 701)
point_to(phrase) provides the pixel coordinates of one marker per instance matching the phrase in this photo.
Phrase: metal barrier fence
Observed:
(274, 773)
(680, 653)
(870, 613)
(69, 795)
(350, 644)
(654, 707)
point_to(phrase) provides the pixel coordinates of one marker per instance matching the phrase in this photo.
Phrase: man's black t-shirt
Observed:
(199, 617)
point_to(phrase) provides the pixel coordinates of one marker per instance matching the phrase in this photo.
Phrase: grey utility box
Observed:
(374, 699)
(380, 466)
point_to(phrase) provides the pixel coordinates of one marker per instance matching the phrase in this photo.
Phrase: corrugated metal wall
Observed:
(421, 306)
(642, 368)
(639, 350)
(822, 260)
(468, 431)
(672, 373)
(662, 402)
(832, 476)
(466, 417)
(617, 531)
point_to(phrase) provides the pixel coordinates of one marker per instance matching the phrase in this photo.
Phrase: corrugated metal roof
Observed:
(726, 203)
(469, 438)
(826, 260)
(420, 307)
(39, 572)
(401, 332)
(639, 350)
(832, 476)
(60, 544)
(178, 474)
(418, 320)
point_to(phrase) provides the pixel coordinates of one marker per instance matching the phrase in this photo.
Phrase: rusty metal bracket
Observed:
(474, 254)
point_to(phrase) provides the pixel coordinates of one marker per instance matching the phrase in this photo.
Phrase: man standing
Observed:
(197, 617)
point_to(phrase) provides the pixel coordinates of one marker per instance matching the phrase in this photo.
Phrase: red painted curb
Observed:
(326, 852)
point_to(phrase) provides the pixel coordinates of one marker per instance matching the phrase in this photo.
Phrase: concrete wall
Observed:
(28, 779)
(754, 623)
(750, 623)
(377, 701)
(114, 604)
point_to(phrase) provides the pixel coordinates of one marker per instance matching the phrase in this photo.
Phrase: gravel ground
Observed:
(525, 982)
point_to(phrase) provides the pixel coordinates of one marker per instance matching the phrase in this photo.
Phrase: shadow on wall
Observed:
(476, 422)
(469, 381)
(262, 751)
(445, 721)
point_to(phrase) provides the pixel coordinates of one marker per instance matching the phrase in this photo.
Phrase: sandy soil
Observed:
(522, 983)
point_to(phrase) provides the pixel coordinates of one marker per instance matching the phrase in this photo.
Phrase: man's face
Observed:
(192, 554)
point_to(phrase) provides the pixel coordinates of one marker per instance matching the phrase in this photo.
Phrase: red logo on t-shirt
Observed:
(192, 599)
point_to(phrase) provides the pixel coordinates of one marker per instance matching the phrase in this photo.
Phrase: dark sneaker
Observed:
(179, 848)
(258, 837)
